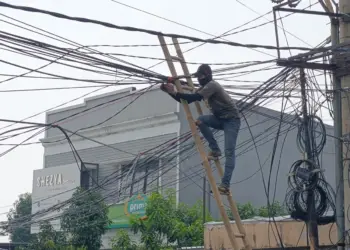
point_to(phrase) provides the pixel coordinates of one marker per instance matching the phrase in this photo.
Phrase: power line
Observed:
(203, 32)
(151, 32)
(273, 78)
(284, 30)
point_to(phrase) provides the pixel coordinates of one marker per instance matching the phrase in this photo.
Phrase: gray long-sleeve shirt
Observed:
(219, 101)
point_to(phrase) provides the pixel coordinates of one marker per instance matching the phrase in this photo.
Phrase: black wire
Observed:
(203, 32)
(151, 32)
(55, 39)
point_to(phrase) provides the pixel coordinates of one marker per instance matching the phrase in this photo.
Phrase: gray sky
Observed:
(214, 17)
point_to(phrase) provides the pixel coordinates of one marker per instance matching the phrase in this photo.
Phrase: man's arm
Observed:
(178, 96)
(175, 98)
(187, 97)
(202, 93)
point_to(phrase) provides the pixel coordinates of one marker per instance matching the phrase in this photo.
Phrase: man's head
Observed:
(204, 74)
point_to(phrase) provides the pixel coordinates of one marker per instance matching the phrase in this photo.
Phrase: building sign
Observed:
(136, 205)
(120, 214)
(52, 186)
(49, 180)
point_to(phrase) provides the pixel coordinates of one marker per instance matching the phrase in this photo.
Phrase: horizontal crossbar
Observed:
(303, 64)
(312, 12)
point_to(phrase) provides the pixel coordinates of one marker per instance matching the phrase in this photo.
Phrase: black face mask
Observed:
(204, 80)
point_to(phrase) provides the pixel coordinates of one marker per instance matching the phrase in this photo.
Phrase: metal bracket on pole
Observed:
(293, 10)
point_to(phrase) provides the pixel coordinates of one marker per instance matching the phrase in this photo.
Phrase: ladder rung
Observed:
(211, 191)
(176, 58)
(239, 235)
(212, 158)
(187, 88)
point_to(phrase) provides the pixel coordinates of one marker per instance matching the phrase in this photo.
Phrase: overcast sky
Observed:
(213, 17)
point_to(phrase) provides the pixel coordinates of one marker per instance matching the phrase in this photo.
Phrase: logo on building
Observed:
(136, 205)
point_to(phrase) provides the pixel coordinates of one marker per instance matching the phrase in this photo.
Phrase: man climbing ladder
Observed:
(225, 116)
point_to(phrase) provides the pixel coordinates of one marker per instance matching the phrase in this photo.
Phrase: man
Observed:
(225, 116)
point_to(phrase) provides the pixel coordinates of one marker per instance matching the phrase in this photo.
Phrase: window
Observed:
(142, 176)
(89, 175)
(152, 180)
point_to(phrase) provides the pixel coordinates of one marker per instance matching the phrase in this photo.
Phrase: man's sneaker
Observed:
(214, 154)
(223, 189)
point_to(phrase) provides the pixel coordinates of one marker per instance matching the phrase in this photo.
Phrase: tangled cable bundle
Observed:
(112, 71)
(306, 176)
(317, 131)
(301, 178)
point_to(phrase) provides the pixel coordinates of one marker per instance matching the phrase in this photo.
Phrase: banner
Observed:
(120, 213)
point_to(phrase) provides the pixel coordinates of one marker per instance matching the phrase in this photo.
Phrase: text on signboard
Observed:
(49, 180)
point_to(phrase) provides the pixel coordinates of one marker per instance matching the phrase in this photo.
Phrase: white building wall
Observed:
(137, 129)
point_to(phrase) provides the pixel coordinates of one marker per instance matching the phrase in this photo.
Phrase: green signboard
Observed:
(119, 214)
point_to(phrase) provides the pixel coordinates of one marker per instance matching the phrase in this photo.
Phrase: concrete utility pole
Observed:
(340, 33)
(338, 149)
(344, 36)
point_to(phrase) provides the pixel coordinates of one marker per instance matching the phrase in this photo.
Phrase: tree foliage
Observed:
(86, 219)
(248, 211)
(49, 239)
(20, 213)
(168, 225)
(83, 223)
(122, 241)
(275, 209)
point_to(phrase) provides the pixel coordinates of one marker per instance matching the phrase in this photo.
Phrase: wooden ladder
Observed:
(200, 147)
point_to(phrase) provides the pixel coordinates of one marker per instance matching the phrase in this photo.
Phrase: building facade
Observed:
(114, 129)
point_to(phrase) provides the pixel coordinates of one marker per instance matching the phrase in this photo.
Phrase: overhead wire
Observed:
(60, 39)
(151, 32)
(56, 38)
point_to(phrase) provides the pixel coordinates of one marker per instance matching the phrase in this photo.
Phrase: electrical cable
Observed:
(265, 90)
(51, 37)
(151, 32)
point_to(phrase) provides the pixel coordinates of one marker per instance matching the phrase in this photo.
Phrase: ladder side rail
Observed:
(234, 211)
(200, 148)
(186, 71)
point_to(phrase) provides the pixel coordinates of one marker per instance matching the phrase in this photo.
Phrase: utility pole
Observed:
(338, 147)
(312, 219)
(344, 36)
(204, 198)
(340, 33)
